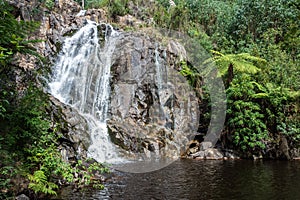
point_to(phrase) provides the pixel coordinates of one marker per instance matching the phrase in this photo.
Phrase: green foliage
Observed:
(114, 7)
(89, 173)
(242, 62)
(26, 121)
(283, 69)
(49, 4)
(6, 172)
(94, 3)
(291, 129)
(200, 36)
(254, 17)
(13, 35)
(39, 183)
(245, 117)
(118, 7)
(193, 76)
(188, 71)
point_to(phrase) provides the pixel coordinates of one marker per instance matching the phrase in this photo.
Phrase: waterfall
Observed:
(158, 70)
(81, 80)
(160, 75)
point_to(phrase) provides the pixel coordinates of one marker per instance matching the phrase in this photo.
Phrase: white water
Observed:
(160, 82)
(81, 80)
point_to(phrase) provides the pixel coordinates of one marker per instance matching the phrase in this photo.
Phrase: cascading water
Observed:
(81, 79)
(160, 75)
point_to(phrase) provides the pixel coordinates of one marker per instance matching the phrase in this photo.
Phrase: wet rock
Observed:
(193, 147)
(230, 154)
(75, 141)
(205, 145)
(150, 100)
(200, 155)
(22, 197)
(295, 153)
(208, 154)
(213, 154)
(284, 148)
(257, 157)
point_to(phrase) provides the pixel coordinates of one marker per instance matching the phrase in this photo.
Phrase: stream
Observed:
(192, 179)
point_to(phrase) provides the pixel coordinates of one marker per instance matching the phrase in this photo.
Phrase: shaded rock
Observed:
(75, 141)
(22, 197)
(284, 148)
(295, 153)
(229, 154)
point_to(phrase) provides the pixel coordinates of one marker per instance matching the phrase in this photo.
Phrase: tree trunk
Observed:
(230, 74)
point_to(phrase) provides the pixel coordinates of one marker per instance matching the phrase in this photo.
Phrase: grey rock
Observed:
(150, 100)
(22, 197)
(199, 155)
(231, 155)
(205, 145)
(213, 154)
(284, 148)
(73, 127)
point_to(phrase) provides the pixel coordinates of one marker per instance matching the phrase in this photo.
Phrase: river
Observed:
(191, 179)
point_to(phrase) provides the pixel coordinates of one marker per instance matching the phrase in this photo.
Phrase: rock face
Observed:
(75, 141)
(153, 109)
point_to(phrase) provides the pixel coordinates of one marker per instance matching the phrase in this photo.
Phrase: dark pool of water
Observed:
(190, 179)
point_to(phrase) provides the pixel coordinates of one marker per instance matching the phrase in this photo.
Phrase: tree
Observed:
(229, 64)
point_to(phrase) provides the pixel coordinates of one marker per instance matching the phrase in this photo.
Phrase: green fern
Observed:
(40, 184)
(231, 64)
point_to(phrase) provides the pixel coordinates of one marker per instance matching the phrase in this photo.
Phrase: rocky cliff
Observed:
(153, 110)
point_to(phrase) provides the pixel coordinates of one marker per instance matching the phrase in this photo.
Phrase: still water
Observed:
(191, 179)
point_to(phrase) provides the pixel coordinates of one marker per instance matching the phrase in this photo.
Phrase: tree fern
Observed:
(236, 63)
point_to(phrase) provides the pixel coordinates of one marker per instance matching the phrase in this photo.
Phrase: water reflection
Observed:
(190, 179)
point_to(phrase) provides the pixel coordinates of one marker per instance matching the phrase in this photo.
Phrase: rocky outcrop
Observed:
(152, 106)
(205, 151)
(72, 130)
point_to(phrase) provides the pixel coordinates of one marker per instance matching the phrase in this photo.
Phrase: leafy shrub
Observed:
(39, 183)
(245, 117)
